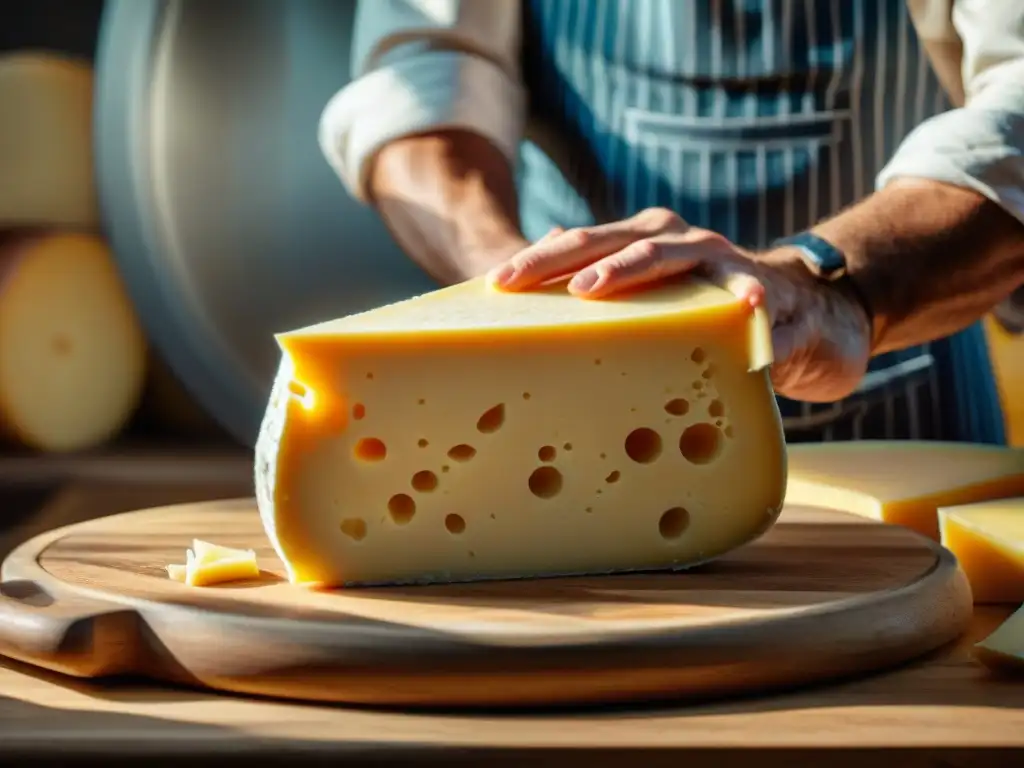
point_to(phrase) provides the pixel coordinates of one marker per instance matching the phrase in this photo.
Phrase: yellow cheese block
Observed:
(470, 434)
(209, 564)
(988, 541)
(1003, 650)
(1007, 353)
(902, 482)
(72, 353)
(46, 156)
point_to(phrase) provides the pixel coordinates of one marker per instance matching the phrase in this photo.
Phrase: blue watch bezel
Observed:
(822, 258)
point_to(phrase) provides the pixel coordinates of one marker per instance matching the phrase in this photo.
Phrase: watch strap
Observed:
(826, 262)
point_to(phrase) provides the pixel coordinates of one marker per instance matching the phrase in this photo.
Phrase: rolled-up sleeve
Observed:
(421, 65)
(979, 145)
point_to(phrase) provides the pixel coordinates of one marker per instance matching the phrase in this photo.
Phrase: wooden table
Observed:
(943, 711)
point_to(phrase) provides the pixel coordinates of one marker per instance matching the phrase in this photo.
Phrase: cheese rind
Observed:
(1003, 650)
(988, 541)
(902, 482)
(469, 434)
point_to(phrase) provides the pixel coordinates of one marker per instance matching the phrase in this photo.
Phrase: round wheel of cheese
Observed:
(72, 353)
(46, 134)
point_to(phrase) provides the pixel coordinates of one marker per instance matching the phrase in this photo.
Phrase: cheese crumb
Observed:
(209, 564)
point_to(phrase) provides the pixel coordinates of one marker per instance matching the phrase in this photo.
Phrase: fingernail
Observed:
(502, 276)
(584, 281)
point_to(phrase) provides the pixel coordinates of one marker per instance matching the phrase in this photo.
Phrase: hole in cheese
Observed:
(424, 481)
(673, 523)
(358, 411)
(613, 477)
(402, 508)
(455, 524)
(527, 395)
(547, 453)
(545, 482)
(492, 419)
(728, 431)
(567, 446)
(698, 356)
(61, 345)
(716, 409)
(354, 528)
(677, 406)
(700, 443)
(643, 445)
(708, 372)
(370, 449)
(461, 452)
(423, 442)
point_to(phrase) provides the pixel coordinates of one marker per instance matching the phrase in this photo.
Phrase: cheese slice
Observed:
(988, 541)
(72, 352)
(209, 564)
(471, 434)
(207, 552)
(46, 153)
(1003, 650)
(902, 482)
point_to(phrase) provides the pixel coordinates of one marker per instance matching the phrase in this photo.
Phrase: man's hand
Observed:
(821, 335)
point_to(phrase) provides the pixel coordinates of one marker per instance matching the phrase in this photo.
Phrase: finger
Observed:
(640, 263)
(576, 248)
(552, 233)
(736, 276)
(561, 254)
(651, 260)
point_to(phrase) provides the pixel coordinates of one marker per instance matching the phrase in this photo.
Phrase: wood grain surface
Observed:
(941, 710)
(822, 595)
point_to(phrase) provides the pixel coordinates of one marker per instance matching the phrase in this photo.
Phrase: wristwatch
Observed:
(826, 262)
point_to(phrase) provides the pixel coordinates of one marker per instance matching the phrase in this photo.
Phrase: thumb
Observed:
(738, 280)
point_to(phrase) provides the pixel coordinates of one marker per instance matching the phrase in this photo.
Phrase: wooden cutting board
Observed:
(824, 594)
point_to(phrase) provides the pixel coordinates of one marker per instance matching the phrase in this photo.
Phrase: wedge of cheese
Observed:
(902, 482)
(1003, 650)
(209, 564)
(988, 541)
(471, 434)
(72, 352)
(46, 154)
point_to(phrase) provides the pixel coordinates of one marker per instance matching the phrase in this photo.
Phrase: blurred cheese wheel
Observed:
(72, 354)
(46, 157)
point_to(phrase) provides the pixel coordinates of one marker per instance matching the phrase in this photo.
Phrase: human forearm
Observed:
(449, 199)
(931, 258)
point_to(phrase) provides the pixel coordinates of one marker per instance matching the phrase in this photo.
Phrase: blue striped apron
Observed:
(753, 118)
